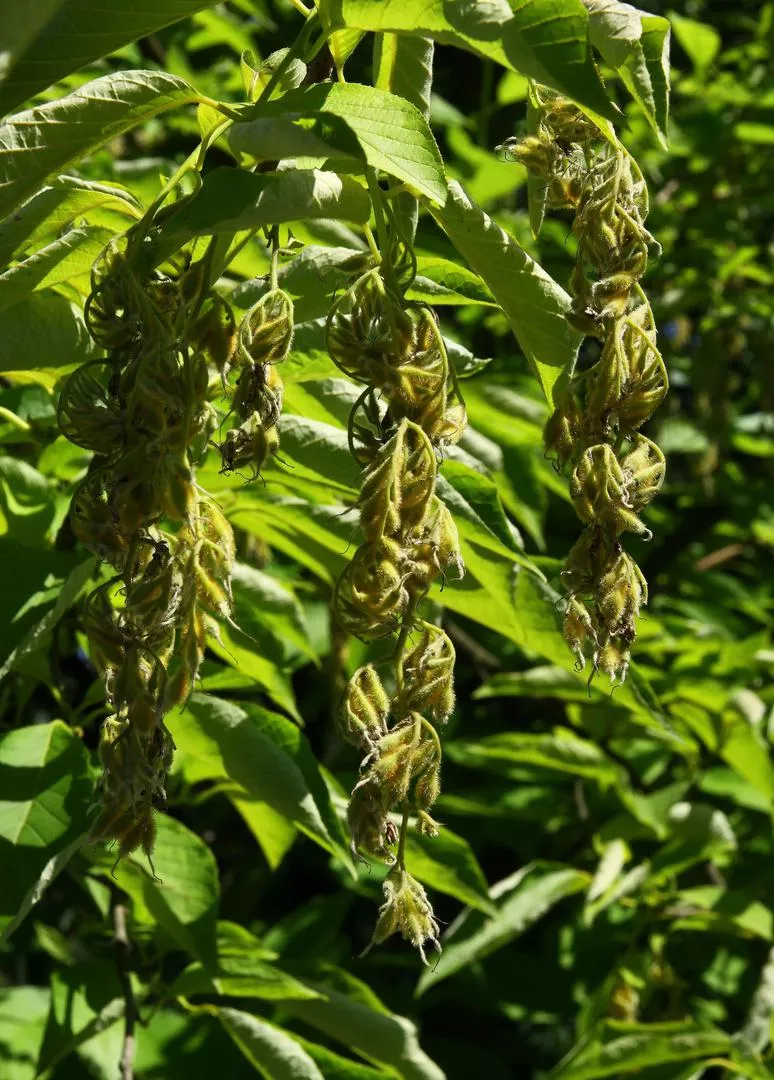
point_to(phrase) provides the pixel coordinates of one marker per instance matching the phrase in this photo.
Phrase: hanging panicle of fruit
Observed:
(615, 470)
(409, 410)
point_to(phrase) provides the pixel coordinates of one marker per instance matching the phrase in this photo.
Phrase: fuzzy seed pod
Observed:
(406, 910)
(265, 334)
(364, 709)
(428, 677)
(398, 485)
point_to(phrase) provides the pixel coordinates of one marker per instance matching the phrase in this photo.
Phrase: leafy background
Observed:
(604, 870)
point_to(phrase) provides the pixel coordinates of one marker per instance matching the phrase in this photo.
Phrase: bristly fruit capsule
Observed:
(407, 911)
(364, 709)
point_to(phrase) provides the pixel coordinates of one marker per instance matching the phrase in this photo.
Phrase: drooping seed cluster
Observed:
(145, 413)
(264, 339)
(594, 428)
(408, 412)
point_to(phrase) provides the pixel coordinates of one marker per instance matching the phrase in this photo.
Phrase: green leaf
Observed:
(757, 1027)
(43, 331)
(320, 452)
(700, 40)
(543, 681)
(522, 900)
(23, 1011)
(699, 832)
(335, 1067)
(249, 666)
(40, 142)
(174, 1045)
(742, 747)
(275, 834)
(478, 512)
(62, 259)
(634, 1047)
(393, 135)
(39, 635)
(270, 613)
(264, 753)
(532, 301)
(47, 875)
(442, 281)
(275, 138)
(547, 42)
(45, 795)
(271, 1050)
(85, 1000)
(65, 203)
(612, 862)
(351, 1014)
(637, 46)
(708, 907)
(317, 536)
(342, 43)
(46, 41)
(646, 76)
(231, 200)
(243, 970)
(180, 889)
(404, 66)
(447, 863)
(562, 751)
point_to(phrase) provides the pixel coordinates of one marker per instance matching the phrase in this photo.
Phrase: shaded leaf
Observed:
(232, 199)
(180, 889)
(44, 799)
(632, 1048)
(67, 201)
(521, 901)
(62, 259)
(562, 751)
(392, 133)
(276, 1054)
(637, 46)
(23, 1011)
(243, 969)
(447, 863)
(43, 331)
(264, 753)
(352, 1015)
(54, 37)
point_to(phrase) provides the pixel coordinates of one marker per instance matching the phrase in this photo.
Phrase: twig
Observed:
(716, 558)
(123, 947)
(479, 654)
(580, 800)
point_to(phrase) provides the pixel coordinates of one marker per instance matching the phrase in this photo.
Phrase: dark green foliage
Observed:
(602, 879)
